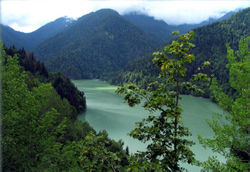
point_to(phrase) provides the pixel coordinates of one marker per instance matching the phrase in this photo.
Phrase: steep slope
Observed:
(162, 30)
(97, 43)
(39, 122)
(210, 44)
(30, 40)
(38, 73)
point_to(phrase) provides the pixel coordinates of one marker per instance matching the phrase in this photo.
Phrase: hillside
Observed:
(161, 30)
(97, 43)
(40, 123)
(37, 73)
(11, 37)
(210, 44)
(30, 40)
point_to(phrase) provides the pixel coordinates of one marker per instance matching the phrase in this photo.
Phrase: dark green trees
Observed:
(38, 72)
(66, 89)
(39, 128)
(231, 129)
(164, 133)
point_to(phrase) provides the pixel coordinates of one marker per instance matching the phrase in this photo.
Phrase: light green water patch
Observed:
(106, 88)
(107, 111)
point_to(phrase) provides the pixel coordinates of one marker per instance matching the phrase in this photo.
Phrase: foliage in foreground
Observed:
(37, 71)
(165, 134)
(39, 129)
(231, 129)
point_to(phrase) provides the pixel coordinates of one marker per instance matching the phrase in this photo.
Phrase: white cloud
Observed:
(17, 27)
(27, 15)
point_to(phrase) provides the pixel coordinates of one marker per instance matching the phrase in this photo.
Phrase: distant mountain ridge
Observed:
(154, 28)
(30, 40)
(162, 30)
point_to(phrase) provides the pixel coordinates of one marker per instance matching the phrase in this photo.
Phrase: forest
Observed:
(210, 45)
(40, 129)
(39, 125)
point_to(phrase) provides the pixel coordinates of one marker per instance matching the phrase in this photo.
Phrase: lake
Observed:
(107, 111)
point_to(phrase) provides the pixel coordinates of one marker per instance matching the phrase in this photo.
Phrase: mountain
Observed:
(30, 40)
(161, 30)
(210, 44)
(97, 43)
(155, 28)
(48, 31)
(11, 37)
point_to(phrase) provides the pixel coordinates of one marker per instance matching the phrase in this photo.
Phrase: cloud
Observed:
(179, 12)
(40, 12)
(28, 15)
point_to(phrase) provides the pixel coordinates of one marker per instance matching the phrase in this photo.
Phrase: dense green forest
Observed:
(210, 46)
(39, 127)
(38, 73)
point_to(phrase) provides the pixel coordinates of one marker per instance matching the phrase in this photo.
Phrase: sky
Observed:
(29, 15)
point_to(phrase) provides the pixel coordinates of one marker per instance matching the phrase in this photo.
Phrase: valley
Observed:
(74, 89)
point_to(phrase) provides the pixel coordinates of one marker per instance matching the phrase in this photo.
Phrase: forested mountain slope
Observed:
(40, 131)
(37, 73)
(97, 43)
(210, 44)
(30, 40)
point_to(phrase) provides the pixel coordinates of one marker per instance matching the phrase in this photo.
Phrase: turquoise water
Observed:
(107, 111)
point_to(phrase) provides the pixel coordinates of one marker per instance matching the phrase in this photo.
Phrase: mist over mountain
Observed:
(161, 30)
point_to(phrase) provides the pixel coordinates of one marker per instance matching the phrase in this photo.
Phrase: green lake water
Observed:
(107, 111)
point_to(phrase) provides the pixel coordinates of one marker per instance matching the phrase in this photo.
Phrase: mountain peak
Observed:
(65, 19)
(106, 11)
